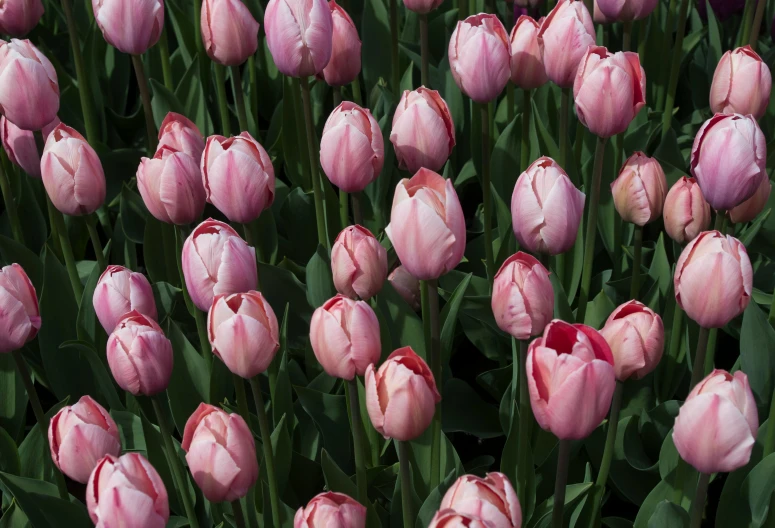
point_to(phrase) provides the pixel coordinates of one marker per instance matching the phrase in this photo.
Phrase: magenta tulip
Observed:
(131, 26)
(526, 63)
(564, 37)
(750, 209)
(358, 263)
(180, 134)
(741, 84)
(345, 63)
(522, 296)
(20, 145)
(626, 10)
(229, 31)
(479, 57)
(636, 336)
(492, 499)
(119, 291)
(422, 7)
(686, 213)
(407, 286)
(19, 312)
(299, 34)
(640, 189)
(331, 510)
(19, 17)
(29, 92)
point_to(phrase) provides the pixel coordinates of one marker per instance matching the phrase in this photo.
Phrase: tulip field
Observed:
(387, 264)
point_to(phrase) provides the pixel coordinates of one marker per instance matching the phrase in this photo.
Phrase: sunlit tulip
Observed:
(299, 34)
(131, 26)
(564, 37)
(686, 213)
(640, 189)
(331, 510)
(229, 31)
(636, 336)
(522, 296)
(119, 291)
(479, 57)
(19, 312)
(491, 498)
(29, 92)
(741, 84)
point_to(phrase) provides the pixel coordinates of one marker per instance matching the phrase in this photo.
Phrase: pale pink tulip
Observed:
(358, 263)
(491, 499)
(741, 84)
(20, 145)
(299, 34)
(19, 17)
(640, 189)
(331, 510)
(170, 184)
(407, 286)
(181, 135)
(564, 37)
(526, 63)
(131, 26)
(19, 312)
(626, 10)
(29, 92)
(522, 296)
(345, 63)
(750, 209)
(229, 31)
(636, 336)
(686, 213)
(453, 519)
(119, 291)
(479, 57)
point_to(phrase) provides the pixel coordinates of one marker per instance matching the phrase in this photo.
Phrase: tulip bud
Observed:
(180, 134)
(640, 189)
(120, 291)
(492, 499)
(570, 375)
(352, 150)
(29, 92)
(686, 213)
(423, 134)
(564, 38)
(170, 184)
(546, 208)
(299, 34)
(527, 66)
(599, 17)
(358, 263)
(345, 63)
(427, 227)
(229, 31)
(345, 337)
(238, 176)
(637, 339)
(19, 313)
(20, 145)
(716, 427)
(331, 510)
(401, 396)
(750, 209)
(626, 10)
(127, 491)
(139, 355)
(479, 57)
(79, 436)
(19, 17)
(407, 286)
(453, 519)
(131, 26)
(728, 159)
(221, 453)
(242, 329)
(713, 279)
(741, 84)
(522, 296)
(216, 261)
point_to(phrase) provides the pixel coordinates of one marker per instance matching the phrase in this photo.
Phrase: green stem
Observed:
(356, 87)
(424, 50)
(337, 95)
(223, 105)
(253, 82)
(430, 315)
(679, 478)
(643, 34)
(145, 97)
(563, 457)
(608, 453)
(486, 193)
(665, 49)
(563, 140)
(313, 161)
(698, 504)
(510, 95)
(627, 35)
(301, 130)
(67, 250)
(578, 145)
(239, 516)
(636, 260)
(676, 332)
(358, 441)
(406, 482)
(747, 22)
(166, 66)
(525, 415)
(242, 398)
(253, 239)
(357, 209)
(524, 149)
(10, 204)
(204, 341)
(675, 68)
(91, 224)
(344, 215)
(757, 22)
(170, 257)
(698, 367)
(266, 441)
(395, 67)
(239, 97)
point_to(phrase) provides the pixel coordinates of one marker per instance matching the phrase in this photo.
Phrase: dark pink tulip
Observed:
(564, 37)
(345, 63)
(170, 184)
(741, 84)
(422, 6)
(299, 34)
(19, 17)
(19, 312)
(331, 510)
(527, 66)
(131, 26)
(21, 147)
(29, 92)
(686, 213)
(119, 291)
(626, 10)
(479, 53)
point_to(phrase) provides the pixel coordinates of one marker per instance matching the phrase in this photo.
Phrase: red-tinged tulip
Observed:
(713, 279)
(686, 213)
(170, 184)
(741, 84)
(407, 286)
(564, 37)
(345, 337)
(626, 10)
(127, 491)
(479, 57)
(19, 313)
(331, 510)
(492, 499)
(140, 355)
(242, 329)
(345, 63)
(79, 436)
(299, 34)
(401, 396)
(599, 17)
(522, 296)
(72, 172)
(352, 150)
(20, 145)
(29, 92)
(526, 63)
(728, 159)
(119, 291)
(238, 176)
(570, 375)
(19, 17)
(221, 453)
(640, 189)
(216, 261)
(358, 263)
(546, 208)
(636, 336)
(131, 26)
(716, 427)
(229, 31)
(427, 227)
(452, 519)
(750, 209)
(180, 134)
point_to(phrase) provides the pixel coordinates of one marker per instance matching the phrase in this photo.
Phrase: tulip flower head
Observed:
(358, 263)
(452, 519)
(522, 296)
(29, 91)
(626, 10)
(407, 286)
(331, 510)
(636, 336)
(741, 84)
(20, 145)
(119, 291)
(492, 499)
(19, 17)
(131, 26)
(479, 53)
(181, 135)
(750, 209)
(640, 189)
(299, 34)
(229, 31)
(526, 63)
(564, 37)
(686, 213)
(345, 63)
(19, 312)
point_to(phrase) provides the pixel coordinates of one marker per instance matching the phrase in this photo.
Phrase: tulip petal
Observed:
(82, 448)
(214, 469)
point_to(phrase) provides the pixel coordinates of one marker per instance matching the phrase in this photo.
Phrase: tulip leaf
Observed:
(669, 515)
(190, 381)
(757, 355)
(433, 501)
(449, 317)
(329, 412)
(404, 326)
(12, 252)
(573, 494)
(89, 327)
(337, 480)
(33, 454)
(133, 214)
(471, 414)
(759, 486)
(9, 454)
(376, 55)
(320, 283)
(39, 501)
(103, 378)
(747, 236)
(281, 288)
(163, 102)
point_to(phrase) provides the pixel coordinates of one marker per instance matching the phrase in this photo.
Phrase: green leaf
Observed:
(404, 326)
(103, 378)
(43, 507)
(13, 252)
(329, 412)
(759, 486)
(163, 101)
(281, 288)
(320, 283)
(669, 515)
(190, 381)
(283, 453)
(573, 494)
(13, 397)
(757, 355)
(505, 159)
(9, 454)
(468, 412)
(433, 501)
(449, 318)
(34, 455)
(337, 480)
(376, 54)
(133, 213)
(89, 327)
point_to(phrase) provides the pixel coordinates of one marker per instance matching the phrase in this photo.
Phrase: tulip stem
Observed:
(320, 214)
(698, 504)
(145, 97)
(424, 51)
(510, 96)
(242, 398)
(337, 95)
(266, 441)
(527, 111)
(67, 249)
(10, 204)
(698, 367)
(406, 483)
(395, 67)
(239, 97)
(429, 295)
(344, 206)
(772, 310)
(239, 516)
(356, 87)
(486, 193)
(253, 82)
(166, 66)
(357, 209)
(757, 22)
(563, 457)
(676, 332)
(664, 50)
(608, 453)
(636, 260)
(525, 414)
(91, 224)
(675, 68)
(627, 35)
(223, 106)
(563, 140)
(358, 440)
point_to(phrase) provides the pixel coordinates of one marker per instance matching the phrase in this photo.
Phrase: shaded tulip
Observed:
(427, 227)
(352, 150)
(750, 209)
(407, 286)
(422, 133)
(170, 184)
(345, 63)
(238, 176)
(716, 427)
(546, 208)
(331, 510)
(299, 34)
(564, 37)
(79, 436)
(479, 57)
(524, 4)
(741, 84)
(216, 261)
(19, 312)
(452, 519)
(242, 329)
(29, 92)
(492, 499)
(229, 31)
(422, 6)
(723, 9)
(686, 213)
(640, 189)
(358, 263)
(570, 376)
(599, 17)
(636, 336)
(527, 66)
(19, 17)
(626, 10)
(522, 296)
(131, 26)
(181, 135)
(20, 145)
(119, 291)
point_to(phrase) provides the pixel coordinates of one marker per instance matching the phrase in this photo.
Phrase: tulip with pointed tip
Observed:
(29, 91)
(20, 145)
(119, 291)
(564, 37)
(479, 54)
(741, 84)
(636, 336)
(331, 510)
(686, 213)
(526, 63)
(491, 498)
(358, 263)
(299, 34)
(522, 296)
(19, 312)
(131, 26)
(640, 189)
(345, 63)
(229, 31)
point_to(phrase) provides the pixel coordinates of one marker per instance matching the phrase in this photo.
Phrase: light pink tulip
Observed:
(686, 213)
(491, 499)
(716, 427)
(640, 189)
(522, 296)
(345, 63)
(713, 279)
(626, 10)
(20, 145)
(358, 263)
(229, 31)
(750, 209)
(427, 227)
(299, 34)
(352, 150)
(217, 261)
(19, 313)
(401, 396)
(570, 375)
(527, 66)
(453, 519)
(741, 84)
(131, 26)
(19, 17)
(546, 208)
(564, 37)
(181, 135)
(29, 92)
(636, 336)
(479, 57)
(119, 291)
(407, 286)
(79, 436)
(243, 331)
(331, 510)
(170, 184)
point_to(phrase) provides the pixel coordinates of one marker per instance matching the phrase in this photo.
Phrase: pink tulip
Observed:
(216, 261)
(728, 159)
(139, 355)
(19, 313)
(686, 213)
(750, 209)
(20, 145)
(345, 337)
(352, 150)
(570, 375)
(527, 66)
(358, 263)
(29, 92)
(401, 396)
(524, 4)
(221, 453)
(422, 6)
(229, 31)
(522, 296)
(180, 134)
(713, 279)
(423, 134)
(716, 427)
(452, 519)
(345, 63)
(238, 176)
(492, 499)
(546, 208)
(131, 26)
(640, 189)
(19, 17)
(564, 37)
(79, 436)
(72, 172)
(331, 510)
(637, 339)
(119, 291)
(427, 227)
(127, 491)
(243, 331)
(599, 17)
(626, 10)
(479, 57)
(741, 84)
(299, 34)
(407, 286)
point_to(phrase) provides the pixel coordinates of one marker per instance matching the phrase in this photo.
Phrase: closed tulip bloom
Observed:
(599, 17)
(522, 296)
(358, 263)
(741, 84)
(546, 208)
(427, 227)
(401, 396)
(491, 498)
(29, 92)
(750, 209)
(479, 57)
(20, 145)
(626, 10)
(728, 159)
(686, 213)
(19, 17)
(331, 510)
(452, 519)
(564, 37)
(299, 34)
(422, 6)
(636, 336)
(716, 427)
(527, 66)
(352, 150)
(217, 261)
(19, 313)
(127, 491)
(119, 291)
(170, 184)
(229, 31)
(180, 134)
(131, 26)
(713, 279)
(570, 375)
(242, 329)
(640, 189)
(345, 63)
(79, 436)
(407, 286)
